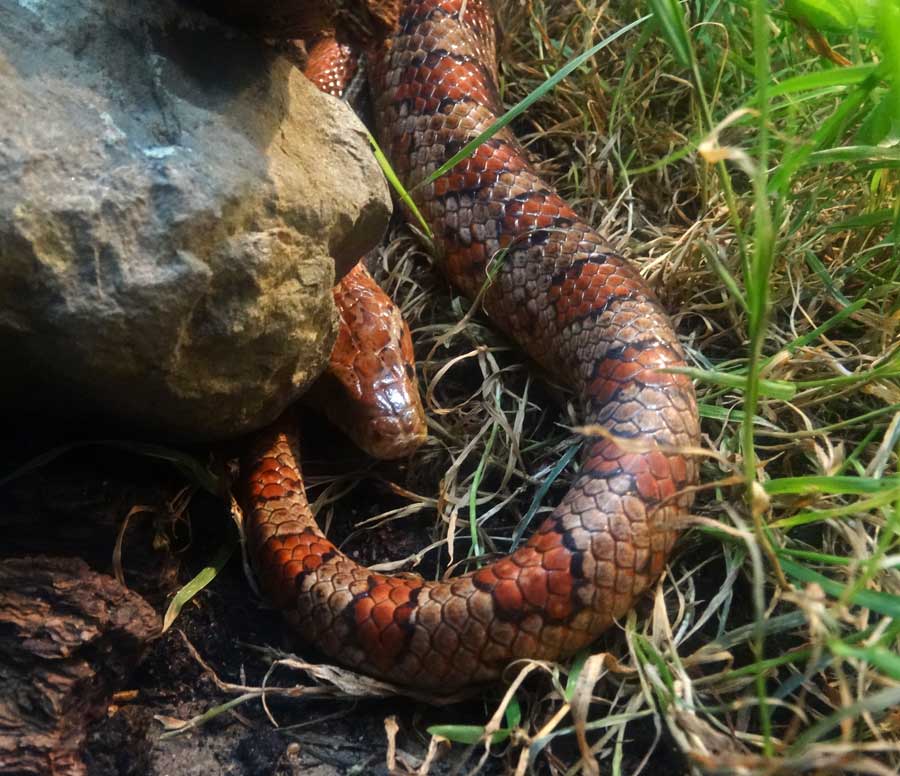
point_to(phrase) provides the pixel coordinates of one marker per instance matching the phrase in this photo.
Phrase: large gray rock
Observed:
(174, 197)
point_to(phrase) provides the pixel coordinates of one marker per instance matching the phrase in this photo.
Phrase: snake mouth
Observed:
(394, 436)
(387, 422)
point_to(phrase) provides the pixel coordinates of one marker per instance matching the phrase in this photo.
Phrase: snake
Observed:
(574, 305)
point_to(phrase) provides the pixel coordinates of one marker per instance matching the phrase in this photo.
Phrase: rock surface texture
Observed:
(175, 199)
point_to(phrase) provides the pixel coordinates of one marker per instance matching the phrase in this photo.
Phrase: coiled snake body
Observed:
(578, 309)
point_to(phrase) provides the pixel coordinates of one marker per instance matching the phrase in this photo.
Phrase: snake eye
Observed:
(410, 372)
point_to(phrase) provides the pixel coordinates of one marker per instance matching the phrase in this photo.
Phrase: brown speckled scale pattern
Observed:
(580, 310)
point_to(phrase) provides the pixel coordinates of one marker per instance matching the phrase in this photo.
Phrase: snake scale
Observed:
(578, 309)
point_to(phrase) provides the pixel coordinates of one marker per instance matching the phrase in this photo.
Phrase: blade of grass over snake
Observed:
(397, 185)
(469, 148)
(776, 389)
(561, 464)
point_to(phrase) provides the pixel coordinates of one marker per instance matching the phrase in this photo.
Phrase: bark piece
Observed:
(68, 639)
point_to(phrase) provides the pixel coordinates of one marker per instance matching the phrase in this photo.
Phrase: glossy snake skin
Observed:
(577, 308)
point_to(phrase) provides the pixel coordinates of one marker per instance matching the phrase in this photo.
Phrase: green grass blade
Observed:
(876, 218)
(817, 557)
(206, 716)
(730, 415)
(889, 369)
(775, 389)
(833, 15)
(466, 734)
(473, 490)
(813, 335)
(541, 492)
(888, 29)
(819, 268)
(575, 672)
(189, 466)
(669, 17)
(833, 485)
(876, 601)
(885, 661)
(513, 714)
(881, 155)
(611, 720)
(200, 581)
(877, 702)
(726, 277)
(392, 178)
(824, 136)
(859, 419)
(823, 79)
(819, 516)
(39, 461)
